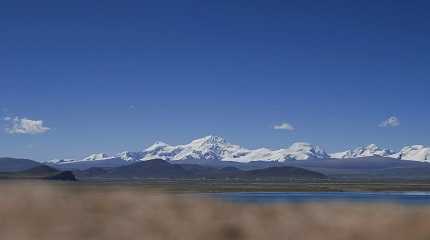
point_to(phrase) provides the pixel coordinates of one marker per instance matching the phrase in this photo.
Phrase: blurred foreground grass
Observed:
(41, 211)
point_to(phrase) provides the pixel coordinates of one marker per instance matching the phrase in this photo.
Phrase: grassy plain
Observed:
(48, 211)
(41, 210)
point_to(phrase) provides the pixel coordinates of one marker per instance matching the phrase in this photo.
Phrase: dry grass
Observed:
(42, 212)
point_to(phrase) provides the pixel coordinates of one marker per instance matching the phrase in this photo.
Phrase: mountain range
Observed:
(212, 149)
(412, 153)
(366, 168)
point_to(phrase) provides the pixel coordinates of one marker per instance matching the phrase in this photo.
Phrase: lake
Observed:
(422, 198)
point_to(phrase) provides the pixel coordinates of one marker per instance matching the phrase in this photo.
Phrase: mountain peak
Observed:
(303, 151)
(157, 145)
(130, 156)
(301, 145)
(415, 152)
(415, 147)
(372, 146)
(211, 139)
(370, 150)
(215, 148)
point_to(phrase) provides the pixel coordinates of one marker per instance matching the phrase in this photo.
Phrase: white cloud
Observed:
(284, 126)
(390, 122)
(25, 126)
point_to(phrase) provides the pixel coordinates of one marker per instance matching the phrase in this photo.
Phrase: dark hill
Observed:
(148, 169)
(16, 165)
(39, 173)
(159, 169)
(368, 168)
(41, 170)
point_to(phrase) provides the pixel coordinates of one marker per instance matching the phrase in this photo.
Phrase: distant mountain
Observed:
(161, 169)
(201, 151)
(143, 169)
(86, 164)
(15, 165)
(96, 157)
(213, 150)
(417, 153)
(149, 169)
(368, 151)
(412, 153)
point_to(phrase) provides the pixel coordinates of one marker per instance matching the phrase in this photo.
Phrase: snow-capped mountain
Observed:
(368, 151)
(99, 157)
(297, 151)
(96, 157)
(416, 153)
(92, 157)
(60, 161)
(210, 148)
(215, 148)
(412, 153)
(207, 148)
(130, 156)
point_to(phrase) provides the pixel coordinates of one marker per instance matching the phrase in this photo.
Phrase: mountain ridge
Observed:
(161, 169)
(210, 148)
(215, 149)
(411, 153)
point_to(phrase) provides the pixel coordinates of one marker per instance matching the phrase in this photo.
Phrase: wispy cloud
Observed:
(284, 126)
(390, 122)
(24, 126)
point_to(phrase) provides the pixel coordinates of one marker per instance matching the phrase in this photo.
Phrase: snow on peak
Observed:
(218, 149)
(59, 161)
(214, 148)
(207, 148)
(131, 156)
(297, 151)
(303, 151)
(368, 151)
(415, 152)
(96, 157)
(306, 147)
(208, 140)
(157, 145)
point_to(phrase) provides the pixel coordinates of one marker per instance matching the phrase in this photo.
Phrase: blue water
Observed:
(422, 198)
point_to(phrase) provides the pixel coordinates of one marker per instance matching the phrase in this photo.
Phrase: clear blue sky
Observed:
(107, 76)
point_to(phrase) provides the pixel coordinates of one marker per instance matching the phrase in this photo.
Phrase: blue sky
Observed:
(120, 75)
